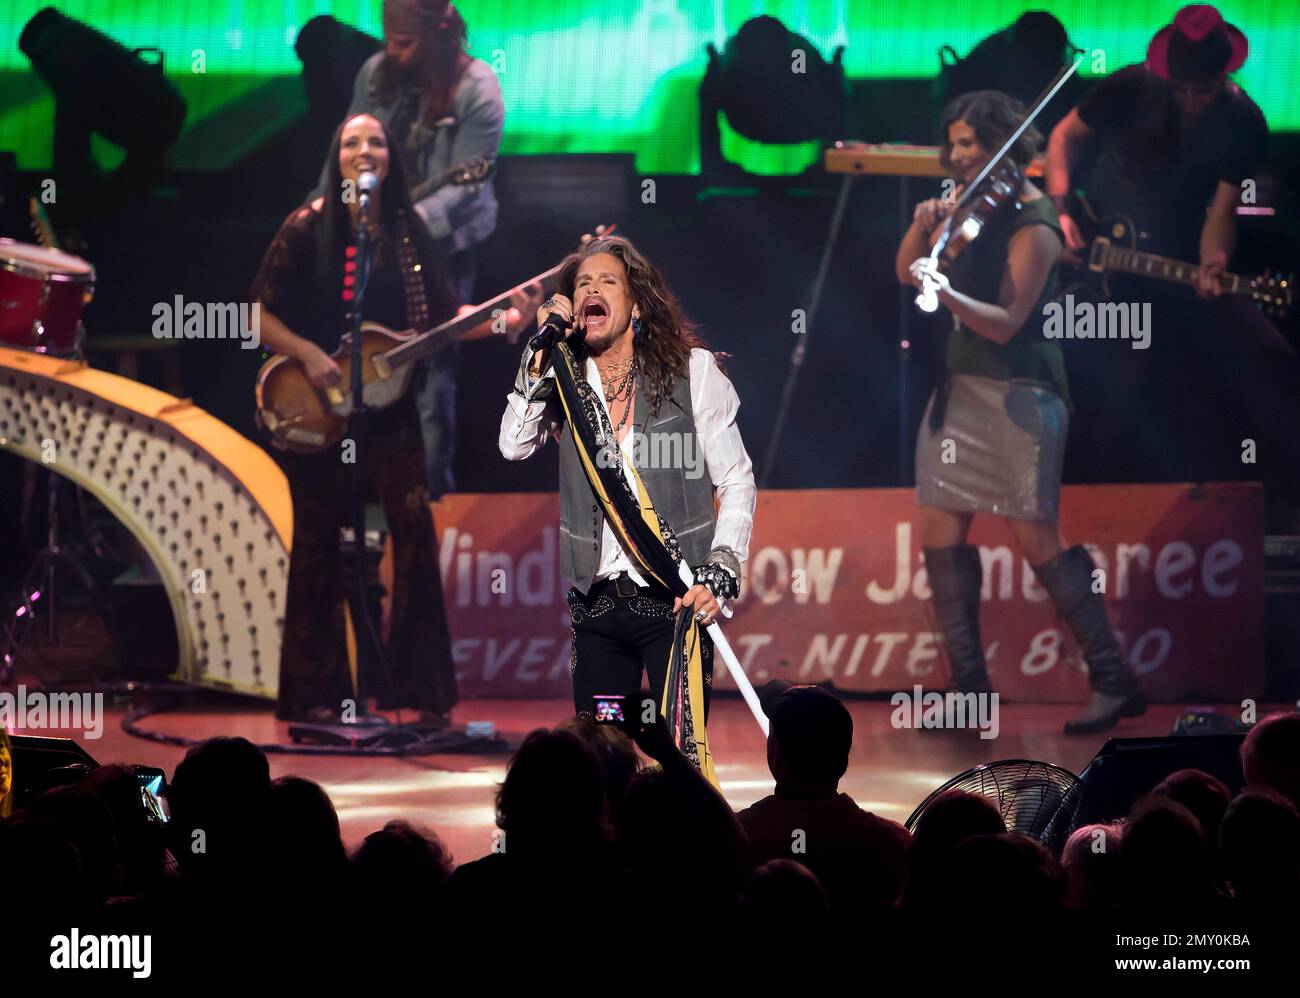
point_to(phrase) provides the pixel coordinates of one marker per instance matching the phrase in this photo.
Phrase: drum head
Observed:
(39, 262)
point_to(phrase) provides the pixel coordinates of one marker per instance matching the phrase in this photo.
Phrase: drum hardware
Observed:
(39, 595)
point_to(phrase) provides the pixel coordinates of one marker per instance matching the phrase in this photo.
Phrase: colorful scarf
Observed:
(651, 543)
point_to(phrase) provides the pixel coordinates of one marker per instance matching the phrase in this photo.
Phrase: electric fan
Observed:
(1035, 798)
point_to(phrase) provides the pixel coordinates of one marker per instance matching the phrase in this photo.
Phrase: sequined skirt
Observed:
(1000, 450)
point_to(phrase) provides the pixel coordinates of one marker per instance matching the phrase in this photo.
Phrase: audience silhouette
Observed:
(587, 829)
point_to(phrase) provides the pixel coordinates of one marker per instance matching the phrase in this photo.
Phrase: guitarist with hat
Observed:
(1171, 143)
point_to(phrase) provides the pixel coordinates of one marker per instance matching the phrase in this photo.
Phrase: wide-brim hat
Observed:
(1197, 46)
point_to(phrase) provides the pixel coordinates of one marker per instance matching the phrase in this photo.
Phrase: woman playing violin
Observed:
(993, 436)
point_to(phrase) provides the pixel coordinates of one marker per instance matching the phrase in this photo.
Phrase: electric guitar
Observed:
(1112, 248)
(305, 419)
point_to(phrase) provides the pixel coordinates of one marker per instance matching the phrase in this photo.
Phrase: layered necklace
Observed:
(616, 380)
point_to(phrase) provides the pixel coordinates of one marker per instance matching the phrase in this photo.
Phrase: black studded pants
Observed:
(617, 634)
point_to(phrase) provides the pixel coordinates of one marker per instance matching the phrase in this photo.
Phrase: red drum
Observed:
(42, 294)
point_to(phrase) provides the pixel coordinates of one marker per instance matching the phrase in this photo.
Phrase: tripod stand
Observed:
(40, 592)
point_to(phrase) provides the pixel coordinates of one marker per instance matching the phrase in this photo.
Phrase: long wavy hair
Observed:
(440, 65)
(992, 116)
(333, 233)
(663, 348)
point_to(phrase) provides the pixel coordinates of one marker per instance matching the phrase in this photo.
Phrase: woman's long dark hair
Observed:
(992, 116)
(333, 233)
(663, 348)
(441, 64)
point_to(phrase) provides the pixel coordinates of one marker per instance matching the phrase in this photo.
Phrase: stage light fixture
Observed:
(101, 86)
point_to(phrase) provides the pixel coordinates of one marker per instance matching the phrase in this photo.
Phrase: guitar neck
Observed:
(1162, 268)
(426, 187)
(472, 170)
(453, 330)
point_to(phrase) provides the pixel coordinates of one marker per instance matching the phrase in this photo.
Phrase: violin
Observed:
(998, 184)
(967, 219)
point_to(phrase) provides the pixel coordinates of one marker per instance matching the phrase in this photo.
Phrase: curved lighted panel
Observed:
(196, 494)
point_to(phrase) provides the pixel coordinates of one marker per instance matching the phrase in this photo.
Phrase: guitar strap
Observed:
(408, 258)
(403, 127)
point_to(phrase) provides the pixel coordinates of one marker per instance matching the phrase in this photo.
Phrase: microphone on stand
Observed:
(367, 184)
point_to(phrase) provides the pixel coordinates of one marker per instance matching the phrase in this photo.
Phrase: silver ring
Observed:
(548, 303)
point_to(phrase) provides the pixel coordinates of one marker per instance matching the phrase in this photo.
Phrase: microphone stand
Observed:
(364, 628)
(383, 736)
(357, 484)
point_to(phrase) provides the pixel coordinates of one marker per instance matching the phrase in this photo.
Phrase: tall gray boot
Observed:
(1116, 690)
(955, 576)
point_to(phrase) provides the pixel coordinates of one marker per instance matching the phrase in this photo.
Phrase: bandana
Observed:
(413, 17)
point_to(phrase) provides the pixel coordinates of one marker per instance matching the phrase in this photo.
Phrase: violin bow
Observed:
(928, 300)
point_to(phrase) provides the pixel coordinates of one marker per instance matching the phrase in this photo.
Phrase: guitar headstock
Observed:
(1273, 292)
(544, 283)
(41, 224)
(597, 233)
(71, 241)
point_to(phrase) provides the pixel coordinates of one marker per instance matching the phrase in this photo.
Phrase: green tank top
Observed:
(1029, 355)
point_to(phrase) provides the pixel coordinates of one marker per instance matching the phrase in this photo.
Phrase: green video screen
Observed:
(597, 75)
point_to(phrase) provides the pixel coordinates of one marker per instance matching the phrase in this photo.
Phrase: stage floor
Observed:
(890, 771)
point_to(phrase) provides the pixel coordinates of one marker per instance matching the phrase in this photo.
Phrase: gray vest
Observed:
(670, 460)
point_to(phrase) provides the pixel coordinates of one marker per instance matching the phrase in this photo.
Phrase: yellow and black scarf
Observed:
(651, 543)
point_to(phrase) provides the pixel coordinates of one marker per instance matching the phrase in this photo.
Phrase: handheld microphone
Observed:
(553, 330)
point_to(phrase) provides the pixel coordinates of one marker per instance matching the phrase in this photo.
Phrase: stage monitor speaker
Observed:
(1128, 768)
(41, 763)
